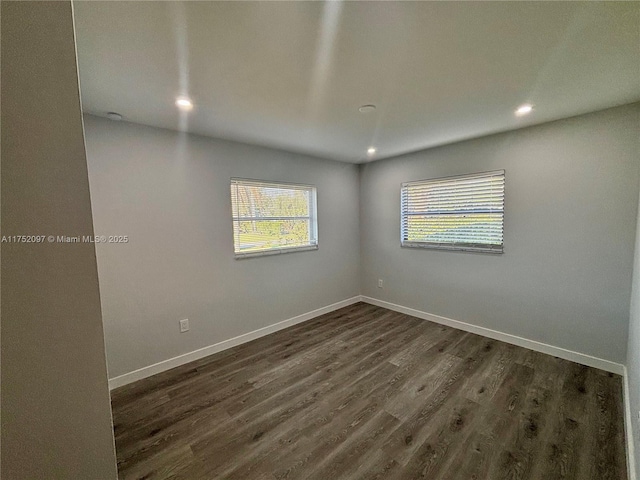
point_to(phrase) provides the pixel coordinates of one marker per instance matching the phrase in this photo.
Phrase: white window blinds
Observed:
(272, 218)
(454, 213)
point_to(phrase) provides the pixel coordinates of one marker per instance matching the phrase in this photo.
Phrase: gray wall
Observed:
(633, 349)
(170, 194)
(56, 418)
(570, 216)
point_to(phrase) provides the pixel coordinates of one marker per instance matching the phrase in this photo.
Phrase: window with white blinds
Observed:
(454, 213)
(272, 218)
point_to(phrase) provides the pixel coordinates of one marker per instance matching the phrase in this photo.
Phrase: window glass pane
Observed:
(482, 228)
(256, 201)
(465, 212)
(267, 234)
(270, 217)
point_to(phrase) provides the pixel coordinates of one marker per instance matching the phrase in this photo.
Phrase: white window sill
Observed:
(278, 251)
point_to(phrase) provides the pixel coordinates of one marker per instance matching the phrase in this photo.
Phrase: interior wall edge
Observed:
(179, 360)
(581, 358)
(628, 424)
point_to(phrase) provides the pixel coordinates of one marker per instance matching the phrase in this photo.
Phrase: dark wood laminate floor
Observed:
(367, 393)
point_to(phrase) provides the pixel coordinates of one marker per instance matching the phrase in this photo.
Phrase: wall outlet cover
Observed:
(184, 325)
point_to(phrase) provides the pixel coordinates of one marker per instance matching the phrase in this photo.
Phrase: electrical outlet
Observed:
(184, 325)
(380, 283)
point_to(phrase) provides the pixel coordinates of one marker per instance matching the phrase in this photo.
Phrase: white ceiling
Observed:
(292, 75)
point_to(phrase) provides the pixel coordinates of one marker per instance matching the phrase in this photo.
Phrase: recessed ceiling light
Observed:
(524, 109)
(367, 108)
(371, 151)
(184, 103)
(114, 116)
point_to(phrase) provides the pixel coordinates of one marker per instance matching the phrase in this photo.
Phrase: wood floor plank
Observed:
(444, 442)
(404, 443)
(164, 426)
(365, 393)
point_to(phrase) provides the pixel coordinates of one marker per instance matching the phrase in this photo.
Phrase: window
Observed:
(455, 213)
(272, 218)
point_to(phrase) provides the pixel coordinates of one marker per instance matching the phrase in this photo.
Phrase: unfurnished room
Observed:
(320, 240)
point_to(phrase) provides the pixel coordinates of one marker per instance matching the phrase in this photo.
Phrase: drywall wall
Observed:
(56, 416)
(170, 194)
(571, 199)
(633, 349)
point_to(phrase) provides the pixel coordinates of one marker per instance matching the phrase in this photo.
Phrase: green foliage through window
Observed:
(455, 213)
(270, 217)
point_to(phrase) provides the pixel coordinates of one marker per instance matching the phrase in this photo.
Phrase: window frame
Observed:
(312, 218)
(453, 246)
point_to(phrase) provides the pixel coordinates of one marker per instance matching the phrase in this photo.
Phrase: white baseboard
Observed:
(467, 327)
(628, 424)
(581, 358)
(225, 344)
